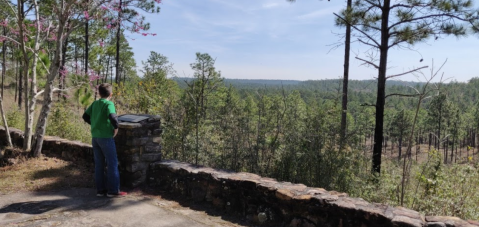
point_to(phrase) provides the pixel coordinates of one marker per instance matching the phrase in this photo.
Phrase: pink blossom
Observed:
(63, 72)
(144, 34)
(85, 13)
(101, 43)
(154, 34)
(93, 76)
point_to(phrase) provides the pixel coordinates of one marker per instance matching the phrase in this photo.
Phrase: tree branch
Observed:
(408, 6)
(411, 71)
(402, 95)
(428, 16)
(368, 62)
(365, 43)
(357, 29)
(373, 4)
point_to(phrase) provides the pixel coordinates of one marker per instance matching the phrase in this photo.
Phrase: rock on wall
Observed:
(271, 203)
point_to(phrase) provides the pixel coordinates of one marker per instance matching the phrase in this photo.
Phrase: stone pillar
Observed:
(138, 144)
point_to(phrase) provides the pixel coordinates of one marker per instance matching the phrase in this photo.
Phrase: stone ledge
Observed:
(129, 125)
(271, 203)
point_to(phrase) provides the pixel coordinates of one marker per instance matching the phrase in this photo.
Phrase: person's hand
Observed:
(115, 131)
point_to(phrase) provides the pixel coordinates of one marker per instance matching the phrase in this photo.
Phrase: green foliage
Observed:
(66, 124)
(83, 97)
(15, 119)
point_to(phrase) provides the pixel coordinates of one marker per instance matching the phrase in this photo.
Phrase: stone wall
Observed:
(53, 146)
(138, 145)
(271, 203)
(261, 200)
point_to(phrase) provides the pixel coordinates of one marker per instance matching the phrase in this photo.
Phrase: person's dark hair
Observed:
(104, 90)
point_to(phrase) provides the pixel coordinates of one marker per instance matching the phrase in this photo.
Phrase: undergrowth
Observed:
(432, 188)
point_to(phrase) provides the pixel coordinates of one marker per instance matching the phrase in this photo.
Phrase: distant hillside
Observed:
(328, 85)
(245, 83)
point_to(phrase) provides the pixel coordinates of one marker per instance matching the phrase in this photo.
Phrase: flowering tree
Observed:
(44, 30)
(128, 18)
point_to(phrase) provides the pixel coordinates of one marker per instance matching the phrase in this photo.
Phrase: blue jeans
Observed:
(104, 150)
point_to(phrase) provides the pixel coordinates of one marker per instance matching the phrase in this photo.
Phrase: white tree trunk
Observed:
(32, 99)
(63, 16)
(7, 131)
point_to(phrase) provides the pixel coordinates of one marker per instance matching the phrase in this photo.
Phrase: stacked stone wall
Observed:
(270, 203)
(138, 145)
(53, 146)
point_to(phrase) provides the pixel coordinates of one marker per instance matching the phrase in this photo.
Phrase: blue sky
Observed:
(275, 39)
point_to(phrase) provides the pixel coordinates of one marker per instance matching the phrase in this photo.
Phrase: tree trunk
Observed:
(16, 80)
(118, 32)
(20, 85)
(76, 60)
(4, 60)
(344, 101)
(33, 87)
(400, 147)
(21, 14)
(61, 78)
(48, 93)
(111, 74)
(381, 96)
(87, 48)
(7, 131)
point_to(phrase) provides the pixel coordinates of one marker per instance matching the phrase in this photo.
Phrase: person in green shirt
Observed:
(101, 115)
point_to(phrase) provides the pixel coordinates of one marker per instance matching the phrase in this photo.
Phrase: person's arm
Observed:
(113, 118)
(86, 118)
(86, 115)
(114, 121)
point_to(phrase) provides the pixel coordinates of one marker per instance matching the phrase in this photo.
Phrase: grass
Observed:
(43, 174)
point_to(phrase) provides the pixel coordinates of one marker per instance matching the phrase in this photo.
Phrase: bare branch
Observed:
(365, 43)
(368, 62)
(411, 71)
(373, 4)
(55, 89)
(402, 95)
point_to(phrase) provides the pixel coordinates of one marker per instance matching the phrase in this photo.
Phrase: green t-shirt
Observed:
(99, 112)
